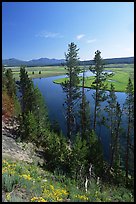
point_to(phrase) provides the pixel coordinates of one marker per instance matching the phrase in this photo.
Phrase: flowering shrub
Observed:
(40, 186)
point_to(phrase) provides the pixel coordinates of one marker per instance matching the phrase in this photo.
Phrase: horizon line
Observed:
(62, 58)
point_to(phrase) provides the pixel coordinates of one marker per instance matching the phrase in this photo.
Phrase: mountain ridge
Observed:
(47, 61)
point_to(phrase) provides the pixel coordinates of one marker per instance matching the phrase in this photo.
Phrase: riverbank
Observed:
(39, 72)
(119, 79)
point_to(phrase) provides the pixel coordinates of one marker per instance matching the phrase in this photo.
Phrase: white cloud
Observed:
(80, 36)
(91, 41)
(45, 34)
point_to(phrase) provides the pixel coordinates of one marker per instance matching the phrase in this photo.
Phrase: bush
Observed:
(9, 181)
(28, 127)
(7, 105)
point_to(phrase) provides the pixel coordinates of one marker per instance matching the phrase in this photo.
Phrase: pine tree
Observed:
(70, 88)
(40, 112)
(27, 91)
(113, 123)
(28, 127)
(84, 112)
(129, 105)
(10, 83)
(33, 108)
(98, 84)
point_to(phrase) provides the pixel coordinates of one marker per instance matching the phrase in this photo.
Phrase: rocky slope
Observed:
(17, 150)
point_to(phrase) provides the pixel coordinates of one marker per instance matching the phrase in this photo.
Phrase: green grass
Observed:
(45, 71)
(24, 182)
(119, 80)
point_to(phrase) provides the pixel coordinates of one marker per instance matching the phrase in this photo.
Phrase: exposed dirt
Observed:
(17, 150)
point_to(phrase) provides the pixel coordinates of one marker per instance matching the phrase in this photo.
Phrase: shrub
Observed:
(8, 181)
(7, 105)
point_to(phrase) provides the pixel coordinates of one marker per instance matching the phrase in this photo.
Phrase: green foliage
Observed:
(79, 162)
(33, 184)
(39, 109)
(34, 117)
(113, 123)
(9, 181)
(15, 198)
(10, 83)
(95, 156)
(28, 127)
(71, 89)
(129, 108)
(84, 112)
(99, 85)
(17, 107)
(27, 90)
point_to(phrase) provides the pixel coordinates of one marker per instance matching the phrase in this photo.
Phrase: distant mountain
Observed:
(122, 60)
(47, 61)
(35, 62)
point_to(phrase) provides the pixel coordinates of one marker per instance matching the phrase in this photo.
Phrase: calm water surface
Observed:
(55, 97)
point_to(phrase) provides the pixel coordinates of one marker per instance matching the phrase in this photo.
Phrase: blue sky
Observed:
(32, 30)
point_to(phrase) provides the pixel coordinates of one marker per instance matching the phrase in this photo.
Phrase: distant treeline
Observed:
(125, 60)
(54, 62)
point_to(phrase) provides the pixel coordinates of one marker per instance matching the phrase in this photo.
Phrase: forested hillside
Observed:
(74, 168)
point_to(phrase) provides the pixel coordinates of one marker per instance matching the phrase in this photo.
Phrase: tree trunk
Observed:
(95, 109)
(127, 150)
(83, 110)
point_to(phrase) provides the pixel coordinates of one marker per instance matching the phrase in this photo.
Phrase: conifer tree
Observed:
(98, 84)
(26, 89)
(84, 112)
(10, 83)
(129, 107)
(70, 88)
(113, 123)
(33, 108)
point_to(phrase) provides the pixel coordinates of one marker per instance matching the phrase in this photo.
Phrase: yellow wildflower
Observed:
(28, 177)
(82, 197)
(8, 197)
(52, 187)
(38, 199)
(64, 192)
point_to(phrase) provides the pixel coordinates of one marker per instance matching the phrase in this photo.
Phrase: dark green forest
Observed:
(79, 154)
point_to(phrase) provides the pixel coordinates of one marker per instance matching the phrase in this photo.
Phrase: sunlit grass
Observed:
(46, 71)
(119, 80)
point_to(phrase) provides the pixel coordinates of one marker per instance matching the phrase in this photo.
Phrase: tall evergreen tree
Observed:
(33, 109)
(27, 91)
(84, 111)
(98, 84)
(113, 123)
(129, 107)
(70, 87)
(10, 83)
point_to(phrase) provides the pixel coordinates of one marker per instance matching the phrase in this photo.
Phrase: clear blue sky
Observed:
(31, 30)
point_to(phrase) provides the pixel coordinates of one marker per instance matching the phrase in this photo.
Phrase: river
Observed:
(54, 97)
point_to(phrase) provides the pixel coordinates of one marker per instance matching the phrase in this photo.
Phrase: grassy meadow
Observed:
(45, 71)
(119, 79)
